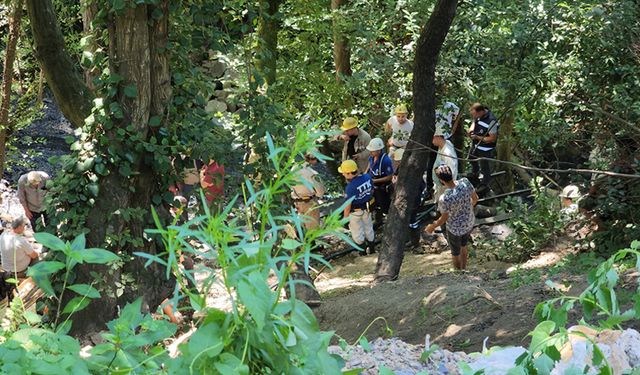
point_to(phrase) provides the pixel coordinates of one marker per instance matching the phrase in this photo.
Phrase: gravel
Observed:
(399, 357)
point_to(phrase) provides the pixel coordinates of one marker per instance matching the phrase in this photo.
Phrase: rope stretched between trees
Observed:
(525, 167)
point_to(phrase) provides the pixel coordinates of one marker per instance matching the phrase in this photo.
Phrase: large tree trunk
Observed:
(137, 47)
(415, 159)
(72, 95)
(7, 78)
(268, 27)
(341, 50)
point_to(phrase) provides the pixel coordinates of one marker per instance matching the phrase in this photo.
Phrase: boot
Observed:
(363, 246)
(371, 247)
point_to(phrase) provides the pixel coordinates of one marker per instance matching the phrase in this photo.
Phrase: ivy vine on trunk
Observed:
(138, 65)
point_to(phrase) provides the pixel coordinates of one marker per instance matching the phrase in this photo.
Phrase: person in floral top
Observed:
(456, 208)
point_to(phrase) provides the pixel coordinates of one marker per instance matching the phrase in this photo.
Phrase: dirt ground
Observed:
(458, 310)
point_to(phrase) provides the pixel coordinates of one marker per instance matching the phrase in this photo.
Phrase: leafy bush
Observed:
(533, 227)
(261, 334)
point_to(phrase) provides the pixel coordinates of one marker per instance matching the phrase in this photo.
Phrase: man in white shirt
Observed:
(400, 127)
(446, 156)
(16, 252)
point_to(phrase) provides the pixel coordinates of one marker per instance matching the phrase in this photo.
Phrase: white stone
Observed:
(214, 106)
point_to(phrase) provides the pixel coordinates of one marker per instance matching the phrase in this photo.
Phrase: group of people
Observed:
(369, 169)
(16, 252)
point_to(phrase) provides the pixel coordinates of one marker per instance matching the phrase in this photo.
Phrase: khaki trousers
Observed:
(361, 226)
(310, 213)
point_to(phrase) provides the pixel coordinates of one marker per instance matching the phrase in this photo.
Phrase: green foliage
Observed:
(533, 227)
(70, 254)
(260, 334)
(600, 310)
(599, 301)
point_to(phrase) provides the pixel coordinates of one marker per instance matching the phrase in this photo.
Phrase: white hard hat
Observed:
(398, 154)
(376, 144)
(571, 192)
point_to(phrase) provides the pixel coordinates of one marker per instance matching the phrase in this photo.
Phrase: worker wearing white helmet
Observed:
(381, 172)
(569, 199)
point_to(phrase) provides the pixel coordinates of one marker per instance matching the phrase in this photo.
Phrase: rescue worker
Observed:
(381, 172)
(359, 192)
(31, 193)
(400, 127)
(484, 136)
(446, 156)
(305, 195)
(569, 200)
(356, 141)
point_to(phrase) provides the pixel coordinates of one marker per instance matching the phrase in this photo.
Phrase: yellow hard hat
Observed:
(401, 109)
(348, 166)
(349, 123)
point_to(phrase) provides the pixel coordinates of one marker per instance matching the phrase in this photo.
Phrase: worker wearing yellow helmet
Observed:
(359, 194)
(400, 128)
(356, 141)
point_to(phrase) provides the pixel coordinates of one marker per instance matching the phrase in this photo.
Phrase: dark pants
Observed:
(483, 166)
(382, 196)
(35, 219)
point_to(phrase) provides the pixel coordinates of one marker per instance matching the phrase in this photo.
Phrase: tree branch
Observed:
(72, 95)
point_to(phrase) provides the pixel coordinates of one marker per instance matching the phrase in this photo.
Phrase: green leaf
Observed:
(230, 364)
(290, 244)
(98, 256)
(540, 334)
(78, 243)
(544, 364)
(385, 371)
(50, 241)
(44, 283)
(364, 343)
(130, 91)
(94, 189)
(101, 169)
(155, 121)
(255, 294)
(44, 268)
(76, 304)
(206, 340)
(353, 371)
(85, 290)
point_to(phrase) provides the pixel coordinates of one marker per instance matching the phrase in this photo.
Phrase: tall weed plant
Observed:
(243, 249)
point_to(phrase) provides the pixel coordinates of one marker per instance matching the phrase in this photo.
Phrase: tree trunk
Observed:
(89, 11)
(7, 78)
(268, 27)
(341, 50)
(72, 95)
(415, 159)
(137, 46)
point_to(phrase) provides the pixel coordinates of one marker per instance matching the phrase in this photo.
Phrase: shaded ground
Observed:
(458, 310)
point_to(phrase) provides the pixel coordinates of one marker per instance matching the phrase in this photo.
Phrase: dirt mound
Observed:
(458, 310)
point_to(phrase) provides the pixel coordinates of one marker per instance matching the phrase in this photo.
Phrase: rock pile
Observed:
(399, 357)
(620, 348)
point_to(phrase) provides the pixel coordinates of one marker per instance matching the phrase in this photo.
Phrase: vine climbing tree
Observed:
(114, 174)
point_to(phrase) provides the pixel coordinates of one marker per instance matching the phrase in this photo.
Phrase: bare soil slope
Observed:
(458, 310)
